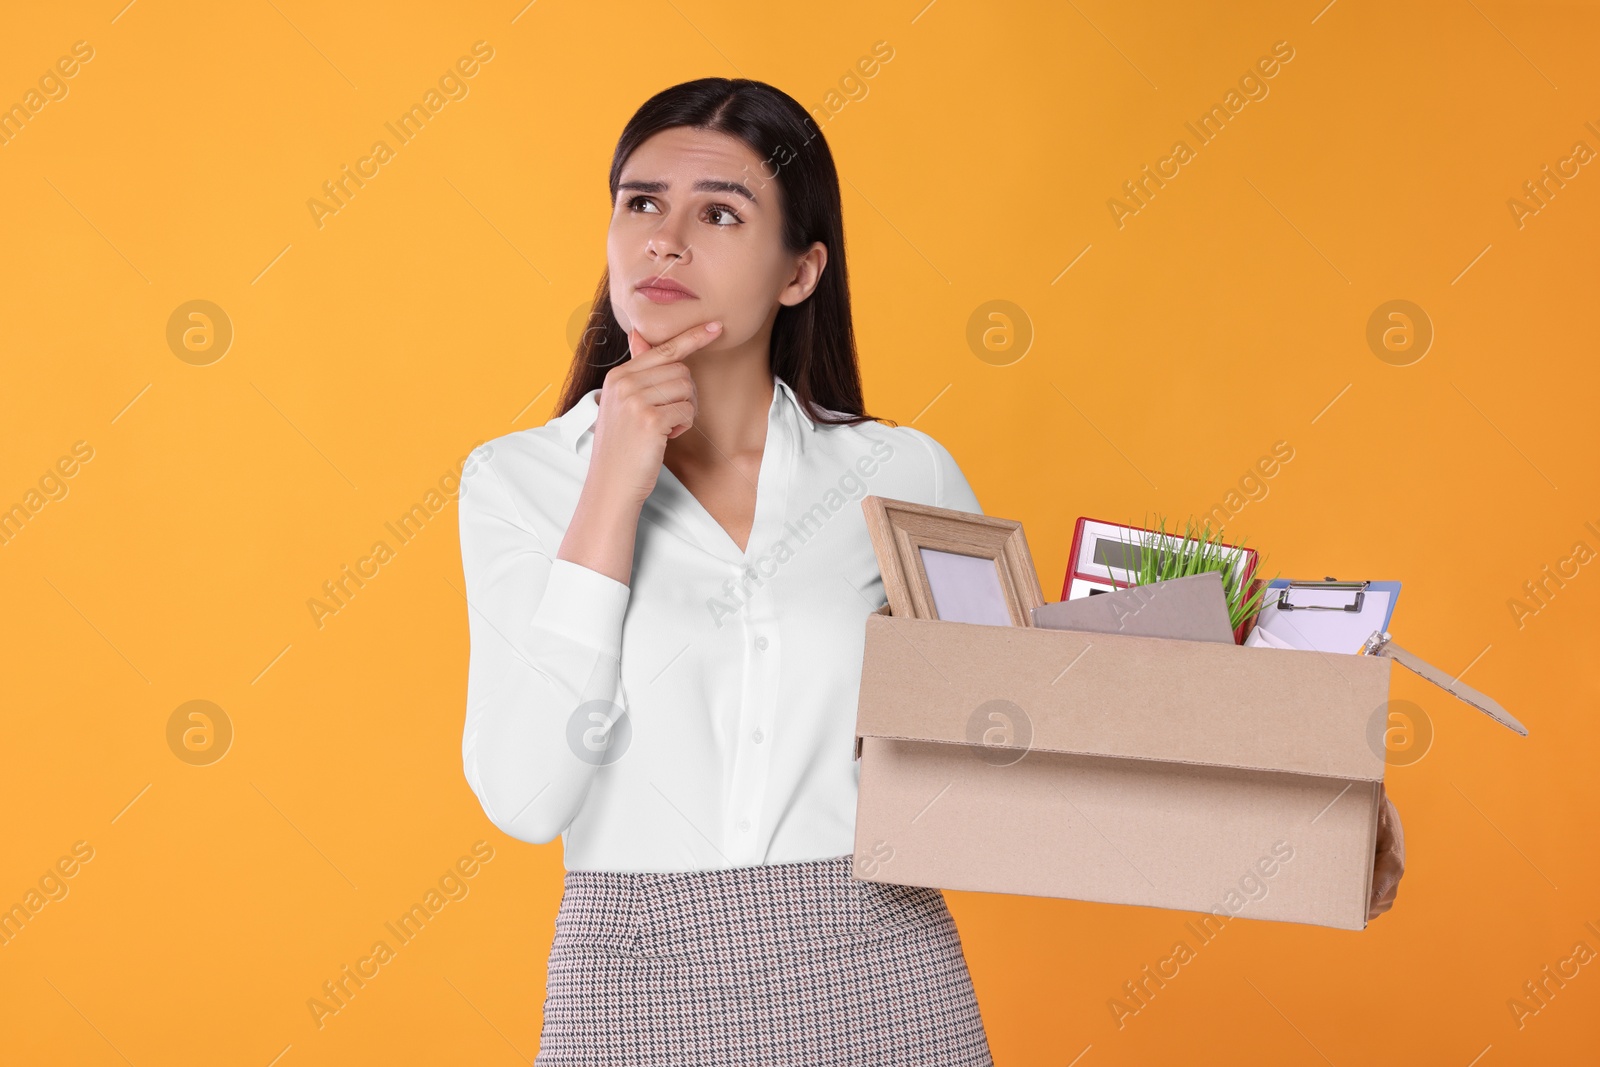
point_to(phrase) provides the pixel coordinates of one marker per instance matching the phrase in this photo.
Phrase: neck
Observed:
(734, 392)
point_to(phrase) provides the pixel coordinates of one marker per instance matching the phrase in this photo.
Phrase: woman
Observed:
(668, 585)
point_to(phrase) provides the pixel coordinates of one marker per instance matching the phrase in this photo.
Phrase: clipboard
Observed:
(1326, 615)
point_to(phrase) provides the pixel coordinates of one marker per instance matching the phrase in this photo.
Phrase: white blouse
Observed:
(729, 679)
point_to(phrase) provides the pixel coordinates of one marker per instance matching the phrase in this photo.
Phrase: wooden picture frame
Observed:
(909, 537)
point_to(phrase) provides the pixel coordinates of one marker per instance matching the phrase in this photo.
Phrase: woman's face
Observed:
(700, 209)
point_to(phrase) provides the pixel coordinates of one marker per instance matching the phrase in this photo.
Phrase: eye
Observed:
(633, 201)
(723, 210)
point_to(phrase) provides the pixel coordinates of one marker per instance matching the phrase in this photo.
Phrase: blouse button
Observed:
(761, 643)
(757, 736)
(744, 824)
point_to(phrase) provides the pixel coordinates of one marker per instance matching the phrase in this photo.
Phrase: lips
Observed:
(661, 286)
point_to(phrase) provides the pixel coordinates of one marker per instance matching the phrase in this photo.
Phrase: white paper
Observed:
(1260, 638)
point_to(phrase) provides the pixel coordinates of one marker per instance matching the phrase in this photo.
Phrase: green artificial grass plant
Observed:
(1198, 549)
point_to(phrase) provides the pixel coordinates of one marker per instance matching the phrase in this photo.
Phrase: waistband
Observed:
(748, 877)
(761, 907)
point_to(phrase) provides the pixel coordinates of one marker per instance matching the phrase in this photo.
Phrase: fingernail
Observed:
(713, 327)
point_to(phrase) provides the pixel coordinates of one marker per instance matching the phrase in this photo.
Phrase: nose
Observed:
(665, 242)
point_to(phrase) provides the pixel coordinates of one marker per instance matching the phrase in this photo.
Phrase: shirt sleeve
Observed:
(950, 486)
(544, 666)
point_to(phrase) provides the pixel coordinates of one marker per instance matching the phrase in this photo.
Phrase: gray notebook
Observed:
(1192, 608)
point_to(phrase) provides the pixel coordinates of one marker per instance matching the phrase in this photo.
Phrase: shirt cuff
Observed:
(583, 605)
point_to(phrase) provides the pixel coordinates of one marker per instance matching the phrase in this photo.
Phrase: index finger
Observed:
(672, 348)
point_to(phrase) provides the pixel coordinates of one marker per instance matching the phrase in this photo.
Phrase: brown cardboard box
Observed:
(1192, 774)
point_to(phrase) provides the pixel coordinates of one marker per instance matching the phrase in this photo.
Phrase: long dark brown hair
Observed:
(813, 342)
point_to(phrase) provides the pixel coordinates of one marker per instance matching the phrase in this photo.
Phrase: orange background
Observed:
(435, 310)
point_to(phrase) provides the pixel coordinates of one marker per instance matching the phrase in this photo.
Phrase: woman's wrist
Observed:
(603, 529)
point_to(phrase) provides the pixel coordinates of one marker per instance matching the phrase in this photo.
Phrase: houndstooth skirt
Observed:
(771, 964)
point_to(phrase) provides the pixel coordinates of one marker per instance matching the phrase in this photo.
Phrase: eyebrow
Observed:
(704, 185)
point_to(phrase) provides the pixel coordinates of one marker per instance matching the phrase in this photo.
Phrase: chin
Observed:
(659, 322)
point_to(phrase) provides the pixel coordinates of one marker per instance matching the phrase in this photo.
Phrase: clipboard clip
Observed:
(1360, 589)
(1379, 645)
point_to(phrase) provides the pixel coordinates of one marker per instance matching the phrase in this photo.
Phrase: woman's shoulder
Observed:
(919, 442)
(531, 476)
(517, 457)
(925, 470)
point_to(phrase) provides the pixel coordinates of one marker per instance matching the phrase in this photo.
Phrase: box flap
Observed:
(1195, 702)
